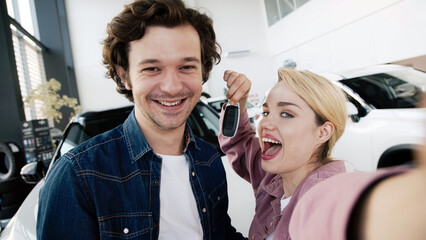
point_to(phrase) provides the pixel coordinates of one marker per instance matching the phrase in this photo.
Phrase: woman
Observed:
(386, 204)
(303, 117)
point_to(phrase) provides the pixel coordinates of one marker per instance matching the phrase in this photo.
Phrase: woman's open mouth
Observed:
(271, 148)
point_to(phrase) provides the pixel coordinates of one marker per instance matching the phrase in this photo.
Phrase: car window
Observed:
(90, 127)
(205, 124)
(388, 90)
(75, 136)
(217, 105)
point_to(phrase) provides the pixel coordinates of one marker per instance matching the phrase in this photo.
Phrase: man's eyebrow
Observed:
(191, 59)
(147, 61)
(153, 60)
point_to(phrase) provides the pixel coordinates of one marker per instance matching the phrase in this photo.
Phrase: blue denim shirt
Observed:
(109, 188)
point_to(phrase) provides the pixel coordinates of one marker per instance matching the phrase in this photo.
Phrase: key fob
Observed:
(230, 120)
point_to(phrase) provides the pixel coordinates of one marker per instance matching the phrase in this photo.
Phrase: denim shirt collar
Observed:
(136, 143)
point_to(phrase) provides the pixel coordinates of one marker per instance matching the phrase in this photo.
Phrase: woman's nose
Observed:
(266, 122)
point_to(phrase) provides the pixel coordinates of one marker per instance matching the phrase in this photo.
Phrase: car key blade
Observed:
(230, 120)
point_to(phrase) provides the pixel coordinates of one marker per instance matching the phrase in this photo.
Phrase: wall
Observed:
(335, 35)
(241, 25)
(236, 30)
(87, 22)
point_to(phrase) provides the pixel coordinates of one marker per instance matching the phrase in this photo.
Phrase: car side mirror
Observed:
(33, 172)
(352, 112)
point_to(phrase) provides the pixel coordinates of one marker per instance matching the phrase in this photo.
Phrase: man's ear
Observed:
(325, 131)
(123, 76)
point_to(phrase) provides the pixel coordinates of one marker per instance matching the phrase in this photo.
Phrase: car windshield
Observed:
(397, 89)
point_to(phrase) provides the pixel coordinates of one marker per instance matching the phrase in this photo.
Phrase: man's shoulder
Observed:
(204, 151)
(204, 147)
(104, 144)
(101, 139)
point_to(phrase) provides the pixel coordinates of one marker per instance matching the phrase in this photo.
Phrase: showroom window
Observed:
(28, 50)
(277, 9)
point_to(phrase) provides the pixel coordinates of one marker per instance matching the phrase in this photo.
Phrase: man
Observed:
(149, 178)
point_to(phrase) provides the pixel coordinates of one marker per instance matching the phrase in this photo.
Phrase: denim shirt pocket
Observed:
(126, 225)
(218, 198)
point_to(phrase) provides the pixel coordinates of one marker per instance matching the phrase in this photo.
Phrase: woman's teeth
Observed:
(270, 141)
(169, 104)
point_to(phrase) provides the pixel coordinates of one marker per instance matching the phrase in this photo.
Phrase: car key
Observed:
(230, 120)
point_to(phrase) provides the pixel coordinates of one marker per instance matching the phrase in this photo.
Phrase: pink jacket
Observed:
(243, 153)
(327, 217)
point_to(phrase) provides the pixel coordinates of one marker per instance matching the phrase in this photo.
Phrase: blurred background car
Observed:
(386, 125)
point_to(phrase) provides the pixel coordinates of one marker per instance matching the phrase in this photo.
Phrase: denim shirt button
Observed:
(155, 182)
(125, 230)
(193, 174)
(204, 210)
(218, 198)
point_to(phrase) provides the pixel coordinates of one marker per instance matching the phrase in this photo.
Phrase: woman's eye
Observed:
(265, 114)
(286, 115)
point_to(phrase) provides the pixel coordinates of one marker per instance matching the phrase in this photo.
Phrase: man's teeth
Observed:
(169, 104)
(270, 140)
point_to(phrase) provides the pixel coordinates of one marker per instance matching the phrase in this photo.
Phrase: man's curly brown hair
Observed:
(132, 22)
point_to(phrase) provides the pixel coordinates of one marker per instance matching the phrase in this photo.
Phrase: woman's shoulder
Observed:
(326, 171)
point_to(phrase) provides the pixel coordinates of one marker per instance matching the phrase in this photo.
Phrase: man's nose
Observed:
(171, 83)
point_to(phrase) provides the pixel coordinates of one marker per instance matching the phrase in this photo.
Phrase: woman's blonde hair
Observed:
(325, 98)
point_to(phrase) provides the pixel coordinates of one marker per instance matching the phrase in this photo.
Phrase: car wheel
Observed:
(7, 163)
(396, 157)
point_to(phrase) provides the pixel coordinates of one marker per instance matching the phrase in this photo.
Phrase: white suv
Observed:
(384, 125)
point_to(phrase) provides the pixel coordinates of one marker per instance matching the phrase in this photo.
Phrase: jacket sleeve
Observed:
(231, 232)
(325, 210)
(64, 211)
(243, 151)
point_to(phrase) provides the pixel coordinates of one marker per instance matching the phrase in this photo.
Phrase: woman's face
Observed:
(288, 132)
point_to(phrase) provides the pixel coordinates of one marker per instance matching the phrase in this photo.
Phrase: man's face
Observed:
(165, 76)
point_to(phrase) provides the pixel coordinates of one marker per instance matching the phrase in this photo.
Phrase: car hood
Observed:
(23, 223)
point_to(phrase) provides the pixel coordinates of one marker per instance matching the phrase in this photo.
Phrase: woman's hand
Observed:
(239, 87)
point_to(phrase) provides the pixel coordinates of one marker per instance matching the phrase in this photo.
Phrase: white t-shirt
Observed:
(284, 202)
(179, 217)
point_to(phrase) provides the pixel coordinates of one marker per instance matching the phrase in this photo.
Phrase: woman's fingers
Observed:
(238, 87)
